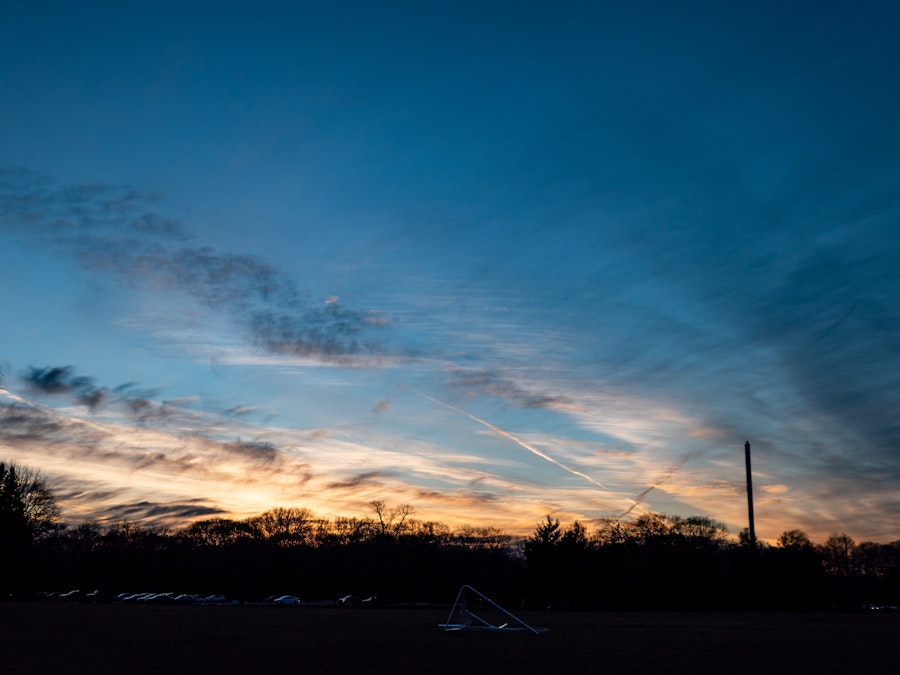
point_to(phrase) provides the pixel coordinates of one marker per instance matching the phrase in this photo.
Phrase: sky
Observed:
(493, 260)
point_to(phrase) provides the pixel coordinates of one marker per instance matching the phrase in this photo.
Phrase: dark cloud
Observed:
(330, 332)
(59, 380)
(24, 427)
(274, 313)
(240, 410)
(366, 478)
(145, 409)
(256, 451)
(140, 404)
(71, 491)
(166, 228)
(92, 398)
(117, 231)
(94, 501)
(21, 424)
(463, 496)
(50, 380)
(472, 382)
(156, 514)
(221, 281)
(32, 204)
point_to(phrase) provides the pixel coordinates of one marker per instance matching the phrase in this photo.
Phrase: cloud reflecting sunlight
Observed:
(563, 265)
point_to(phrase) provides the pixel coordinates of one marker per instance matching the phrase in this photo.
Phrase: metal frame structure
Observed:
(466, 619)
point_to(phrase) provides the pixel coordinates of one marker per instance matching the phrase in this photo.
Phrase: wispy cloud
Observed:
(107, 466)
(117, 231)
(679, 357)
(153, 514)
(365, 478)
(473, 382)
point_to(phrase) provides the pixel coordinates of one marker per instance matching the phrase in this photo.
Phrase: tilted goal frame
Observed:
(472, 621)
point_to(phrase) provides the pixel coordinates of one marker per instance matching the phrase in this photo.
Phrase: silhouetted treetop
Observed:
(28, 508)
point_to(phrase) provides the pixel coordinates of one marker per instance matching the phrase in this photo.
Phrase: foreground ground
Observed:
(76, 638)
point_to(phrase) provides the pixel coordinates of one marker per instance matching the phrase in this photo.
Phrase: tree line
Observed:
(655, 561)
(660, 561)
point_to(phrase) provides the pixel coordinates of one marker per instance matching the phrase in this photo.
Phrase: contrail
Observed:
(512, 437)
(662, 479)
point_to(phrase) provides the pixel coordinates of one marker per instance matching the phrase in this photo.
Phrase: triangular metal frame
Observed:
(471, 621)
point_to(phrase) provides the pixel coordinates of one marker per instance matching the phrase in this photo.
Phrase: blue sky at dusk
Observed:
(495, 260)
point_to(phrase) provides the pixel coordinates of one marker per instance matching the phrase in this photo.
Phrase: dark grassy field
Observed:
(76, 638)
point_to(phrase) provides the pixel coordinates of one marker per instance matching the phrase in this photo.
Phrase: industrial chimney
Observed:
(750, 495)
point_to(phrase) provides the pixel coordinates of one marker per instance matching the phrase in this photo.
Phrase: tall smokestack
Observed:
(750, 495)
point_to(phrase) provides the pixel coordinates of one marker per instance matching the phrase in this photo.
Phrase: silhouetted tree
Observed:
(428, 532)
(344, 531)
(701, 532)
(873, 560)
(472, 538)
(837, 554)
(792, 574)
(612, 532)
(28, 512)
(546, 534)
(542, 560)
(794, 540)
(284, 526)
(28, 508)
(744, 540)
(391, 522)
(218, 531)
(650, 528)
(574, 564)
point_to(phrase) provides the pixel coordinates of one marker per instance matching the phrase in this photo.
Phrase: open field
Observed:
(80, 638)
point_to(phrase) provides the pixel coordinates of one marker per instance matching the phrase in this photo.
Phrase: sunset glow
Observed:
(493, 264)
